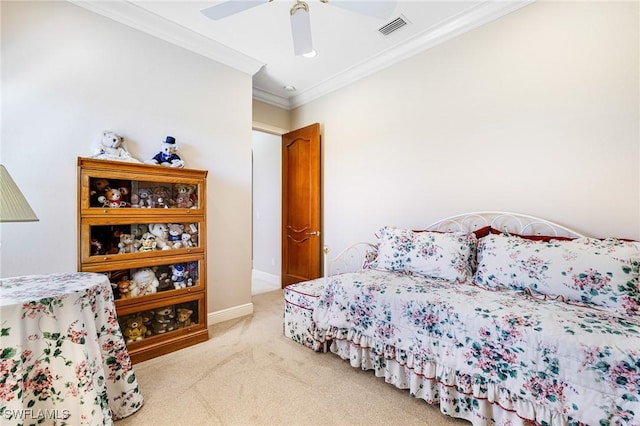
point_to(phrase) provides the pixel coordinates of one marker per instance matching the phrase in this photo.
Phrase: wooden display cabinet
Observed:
(144, 226)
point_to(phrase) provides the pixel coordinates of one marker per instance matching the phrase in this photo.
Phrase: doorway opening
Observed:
(266, 247)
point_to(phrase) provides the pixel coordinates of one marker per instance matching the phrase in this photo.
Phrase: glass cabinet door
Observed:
(159, 321)
(103, 242)
(115, 192)
(140, 194)
(181, 274)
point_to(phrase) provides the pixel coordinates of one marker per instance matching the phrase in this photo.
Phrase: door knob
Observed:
(314, 233)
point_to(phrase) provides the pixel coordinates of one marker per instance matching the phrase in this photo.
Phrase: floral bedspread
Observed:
(557, 363)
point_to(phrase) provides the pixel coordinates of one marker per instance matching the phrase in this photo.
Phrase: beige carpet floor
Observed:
(248, 373)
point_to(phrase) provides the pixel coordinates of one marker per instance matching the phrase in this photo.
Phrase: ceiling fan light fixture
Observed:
(301, 29)
(311, 54)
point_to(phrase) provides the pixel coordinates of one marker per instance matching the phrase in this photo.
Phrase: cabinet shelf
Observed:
(144, 226)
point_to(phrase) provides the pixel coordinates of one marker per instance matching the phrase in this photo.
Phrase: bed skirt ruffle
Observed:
(458, 395)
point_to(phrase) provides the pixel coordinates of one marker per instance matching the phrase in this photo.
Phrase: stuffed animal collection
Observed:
(148, 323)
(120, 193)
(142, 238)
(110, 146)
(157, 321)
(150, 280)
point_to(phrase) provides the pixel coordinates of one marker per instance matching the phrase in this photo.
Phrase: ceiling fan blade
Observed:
(230, 7)
(301, 31)
(376, 8)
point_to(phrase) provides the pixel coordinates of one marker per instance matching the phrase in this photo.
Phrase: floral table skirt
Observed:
(63, 359)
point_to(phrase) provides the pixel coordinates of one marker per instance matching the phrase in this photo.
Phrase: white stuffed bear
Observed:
(168, 155)
(110, 147)
(146, 280)
(161, 232)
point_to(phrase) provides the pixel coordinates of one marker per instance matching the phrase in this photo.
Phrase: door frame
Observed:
(273, 278)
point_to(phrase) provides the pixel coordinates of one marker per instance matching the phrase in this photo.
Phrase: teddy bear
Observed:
(183, 317)
(96, 247)
(128, 288)
(178, 277)
(134, 329)
(147, 320)
(164, 277)
(192, 273)
(192, 230)
(111, 239)
(98, 188)
(183, 202)
(175, 235)
(113, 197)
(111, 147)
(163, 319)
(146, 280)
(161, 197)
(185, 196)
(147, 243)
(138, 230)
(161, 232)
(167, 156)
(128, 244)
(142, 198)
(186, 240)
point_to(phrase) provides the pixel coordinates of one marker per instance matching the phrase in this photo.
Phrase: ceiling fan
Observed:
(300, 22)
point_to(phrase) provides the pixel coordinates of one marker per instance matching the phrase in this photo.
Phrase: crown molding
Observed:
(480, 15)
(270, 98)
(136, 17)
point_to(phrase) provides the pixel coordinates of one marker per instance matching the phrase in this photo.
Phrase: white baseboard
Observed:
(229, 313)
(262, 282)
(247, 308)
(265, 276)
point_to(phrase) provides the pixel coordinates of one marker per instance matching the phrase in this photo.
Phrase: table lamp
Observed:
(13, 206)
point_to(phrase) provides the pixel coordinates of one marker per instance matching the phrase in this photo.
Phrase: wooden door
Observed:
(301, 242)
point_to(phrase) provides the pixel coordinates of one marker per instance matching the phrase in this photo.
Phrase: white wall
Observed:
(270, 118)
(267, 204)
(68, 74)
(537, 112)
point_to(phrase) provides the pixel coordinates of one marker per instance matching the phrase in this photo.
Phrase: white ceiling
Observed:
(258, 40)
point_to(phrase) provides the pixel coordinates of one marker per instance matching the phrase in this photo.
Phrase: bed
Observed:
(498, 318)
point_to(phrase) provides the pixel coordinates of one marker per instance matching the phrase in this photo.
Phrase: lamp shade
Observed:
(301, 30)
(13, 206)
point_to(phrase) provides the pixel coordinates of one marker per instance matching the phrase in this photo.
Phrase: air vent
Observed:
(394, 25)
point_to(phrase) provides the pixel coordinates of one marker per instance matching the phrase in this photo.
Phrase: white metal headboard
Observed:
(513, 223)
(352, 258)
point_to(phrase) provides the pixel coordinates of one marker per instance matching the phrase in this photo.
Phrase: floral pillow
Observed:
(603, 273)
(447, 255)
